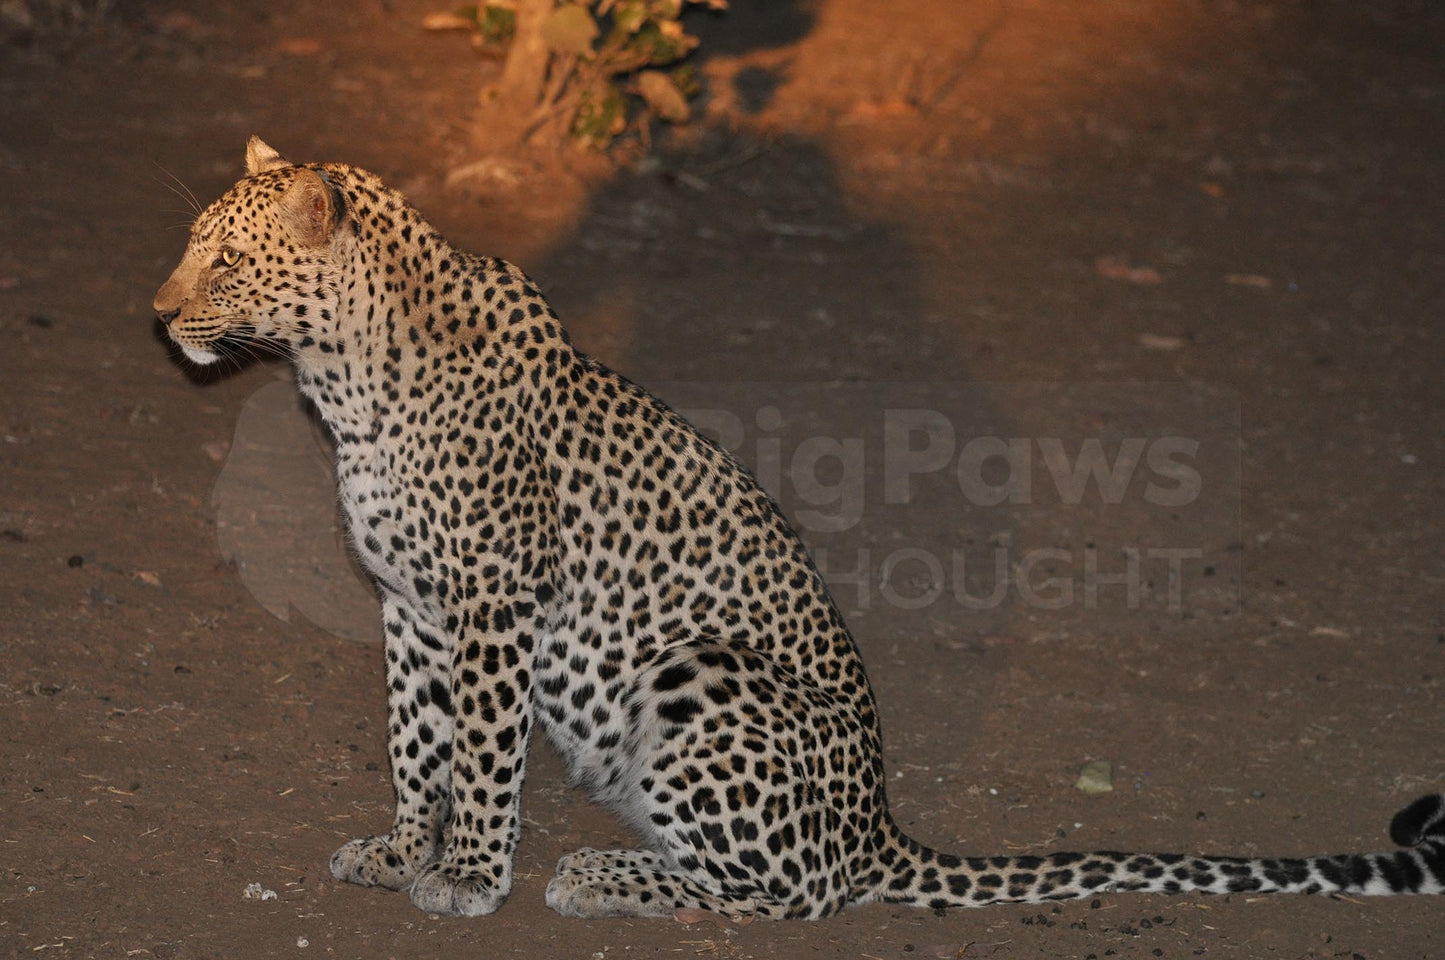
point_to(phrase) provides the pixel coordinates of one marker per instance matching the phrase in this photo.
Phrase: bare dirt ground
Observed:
(908, 197)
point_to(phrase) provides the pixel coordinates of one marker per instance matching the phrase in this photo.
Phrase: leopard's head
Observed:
(262, 264)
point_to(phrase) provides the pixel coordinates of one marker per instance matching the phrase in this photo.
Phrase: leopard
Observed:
(556, 548)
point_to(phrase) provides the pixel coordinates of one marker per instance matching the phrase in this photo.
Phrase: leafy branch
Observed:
(584, 71)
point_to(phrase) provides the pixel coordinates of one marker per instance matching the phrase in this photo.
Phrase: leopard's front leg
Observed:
(492, 704)
(419, 746)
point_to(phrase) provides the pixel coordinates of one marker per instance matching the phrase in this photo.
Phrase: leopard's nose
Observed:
(169, 300)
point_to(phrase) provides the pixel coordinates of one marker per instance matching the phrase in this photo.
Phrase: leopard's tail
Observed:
(918, 875)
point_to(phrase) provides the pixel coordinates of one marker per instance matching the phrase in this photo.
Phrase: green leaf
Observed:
(687, 80)
(570, 29)
(601, 116)
(497, 24)
(628, 17)
(662, 43)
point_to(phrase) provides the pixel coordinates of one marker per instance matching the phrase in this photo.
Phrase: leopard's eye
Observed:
(227, 257)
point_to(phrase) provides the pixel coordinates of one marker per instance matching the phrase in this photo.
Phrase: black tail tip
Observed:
(1422, 820)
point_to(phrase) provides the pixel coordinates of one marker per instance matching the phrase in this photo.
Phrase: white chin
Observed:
(198, 356)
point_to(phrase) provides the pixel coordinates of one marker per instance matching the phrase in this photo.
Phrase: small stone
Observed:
(1096, 776)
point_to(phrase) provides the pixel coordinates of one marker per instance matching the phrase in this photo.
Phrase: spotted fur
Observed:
(554, 547)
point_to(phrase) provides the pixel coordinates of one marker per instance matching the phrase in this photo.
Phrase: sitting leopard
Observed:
(554, 547)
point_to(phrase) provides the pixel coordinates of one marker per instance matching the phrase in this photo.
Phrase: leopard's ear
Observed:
(261, 156)
(312, 208)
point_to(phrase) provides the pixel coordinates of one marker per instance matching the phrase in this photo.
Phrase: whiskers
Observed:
(243, 342)
(235, 341)
(178, 187)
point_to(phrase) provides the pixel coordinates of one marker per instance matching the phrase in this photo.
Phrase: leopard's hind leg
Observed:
(737, 774)
(642, 891)
(589, 859)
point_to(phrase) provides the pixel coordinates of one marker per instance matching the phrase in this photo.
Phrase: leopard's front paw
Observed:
(374, 862)
(455, 890)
